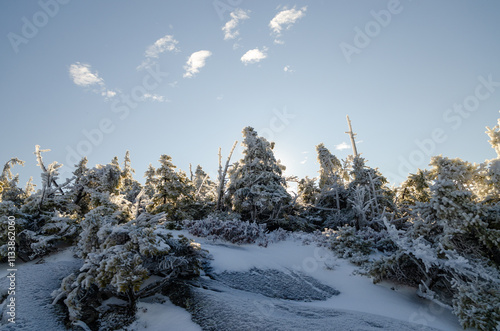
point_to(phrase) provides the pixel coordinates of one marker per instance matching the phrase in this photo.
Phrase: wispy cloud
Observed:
(195, 62)
(230, 28)
(285, 19)
(154, 97)
(254, 55)
(220, 97)
(108, 94)
(82, 75)
(287, 68)
(162, 45)
(342, 146)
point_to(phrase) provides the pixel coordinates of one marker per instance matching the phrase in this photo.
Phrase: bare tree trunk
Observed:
(352, 135)
(374, 193)
(38, 154)
(201, 186)
(222, 176)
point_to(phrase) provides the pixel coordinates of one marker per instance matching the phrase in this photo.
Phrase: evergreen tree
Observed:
(415, 189)
(204, 187)
(332, 180)
(9, 191)
(171, 190)
(368, 193)
(257, 188)
(308, 191)
(331, 171)
(129, 187)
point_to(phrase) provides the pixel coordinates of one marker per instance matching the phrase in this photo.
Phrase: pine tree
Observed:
(129, 187)
(308, 191)
(8, 183)
(257, 188)
(332, 180)
(171, 191)
(204, 187)
(376, 195)
(331, 171)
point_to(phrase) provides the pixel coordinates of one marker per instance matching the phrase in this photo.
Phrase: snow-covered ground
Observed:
(359, 299)
(35, 282)
(285, 286)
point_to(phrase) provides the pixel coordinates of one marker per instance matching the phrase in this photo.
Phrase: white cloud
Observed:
(287, 68)
(82, 76)
(154, 97)
(254, 55)
(162, 45)
(195, 62)
(285, 19)
(220, 97)
(108, 93)
(173, 84)
(342, 146)
(230, 31)
(304, 160)
(167, 43)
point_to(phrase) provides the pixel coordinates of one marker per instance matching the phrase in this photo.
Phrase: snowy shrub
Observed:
(477, 304)
(234, 231)
(356, 245)
(451, 277)
(215, 227)
(126, 261)
(8, 208)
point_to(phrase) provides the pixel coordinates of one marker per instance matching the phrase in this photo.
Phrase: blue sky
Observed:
(183, 78)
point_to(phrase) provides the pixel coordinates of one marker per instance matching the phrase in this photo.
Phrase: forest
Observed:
(439, 231)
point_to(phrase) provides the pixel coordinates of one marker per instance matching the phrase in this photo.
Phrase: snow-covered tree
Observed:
(376, 198)
(171, 191)
(332, 180)
(8, 183)
(307, 190)
(129, 186)
(494, 134)
(204, 187)
(331, 170)
(257, 188)
(451, 247)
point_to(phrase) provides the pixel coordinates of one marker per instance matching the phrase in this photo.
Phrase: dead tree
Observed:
(222, 176)
(352, 135)
(51, 180)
